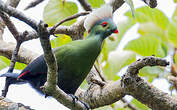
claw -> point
(86, 105)
(75, 98)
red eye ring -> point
(104, 24)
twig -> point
(151, 3)
(17, 14)
(67, 19)
(14, 57)
(85, 5)
(33, 4)
(129, 105)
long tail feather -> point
(11, 75)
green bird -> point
(74, 59)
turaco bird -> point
(74, 59)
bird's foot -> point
(75, 98)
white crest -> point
(104, 12)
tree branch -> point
(68, 19)
(10, 25)
(85, 5)
(143, 91)
(33, 4)
(24, 56)
(17, 14)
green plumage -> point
(74, 59)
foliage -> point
(56, 11)
(175, 57)
(96, 3)
(139, 105)
(4, 62)
(146, 46)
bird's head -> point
(100, 22)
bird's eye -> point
(104, 24)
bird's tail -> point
(13, 78)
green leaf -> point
(61, 40)
(116, 61)
(56, 11)
(175, 1)
(2, 64)
(150, 27)
(175, 58)
(151, 72)
(18, 65)
(139, 105)
(96, 3)
(146, 14)
(172, 33)
(147, 45)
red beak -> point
(116, 31)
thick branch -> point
(97, 96)
(145, 92)
(24, 55)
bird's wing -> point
(36, 67)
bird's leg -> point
(75, 98)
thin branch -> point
(33, 4)
(68, 19)
(14, 57)
(85, 5)
(17, 14)
(50, 87)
